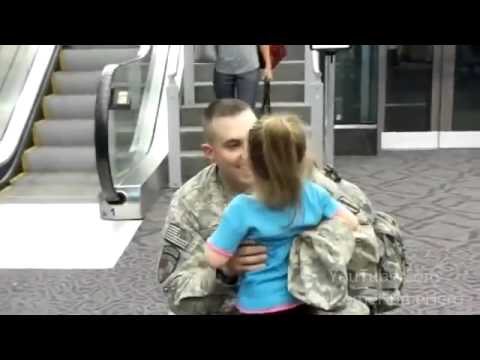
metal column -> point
(329, 109)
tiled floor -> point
(435, 195)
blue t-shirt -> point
(245, 218)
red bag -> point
(277, 54)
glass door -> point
(461, 111)
(356, 86)
(409, 96)
(356, 101)
(429, 96)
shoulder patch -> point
(168, 262)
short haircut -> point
(221, 108)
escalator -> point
(60, 164)
(85, 118)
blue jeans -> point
(242, 86)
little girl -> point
(282, 206)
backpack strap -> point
(332, 173)
(349, 205)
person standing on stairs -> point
(237, 71)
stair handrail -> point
(162, 87)
(174, 149)
(189, 75)
(102, 104)
(314, 98)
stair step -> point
(191, 138)
(364, 144)
(290, 70)
(281, 91)
(76, 82)
(295, 52)
(50, 193)
(78, 132)
(56, 178)
(94, 59)
(59, 159)
(69, 106)
(44, 159)
(191, 163)
(86, 82)
(192, 115)
(64, 132)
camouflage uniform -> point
(378, 267)
(317, 271)
(191, 286)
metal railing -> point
(130, 187)
(314, 97)
(174, 149)
(102, 127)
(189, 75)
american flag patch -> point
(174, 236)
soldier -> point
(190, 284)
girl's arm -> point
(345, 215)
(332, 209)
(226, 239)
(214, 256)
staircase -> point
(60, 166)
(287, 91)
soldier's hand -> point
(249, 257)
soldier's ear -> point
(208, 151)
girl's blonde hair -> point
(277, 147)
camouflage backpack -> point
(378, 267)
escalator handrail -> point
(162, 89)
(102, 152)
(173, 73)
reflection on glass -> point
(466, 111)
(356, 85)
(409, 88)
(15, 64)
(128, 85)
